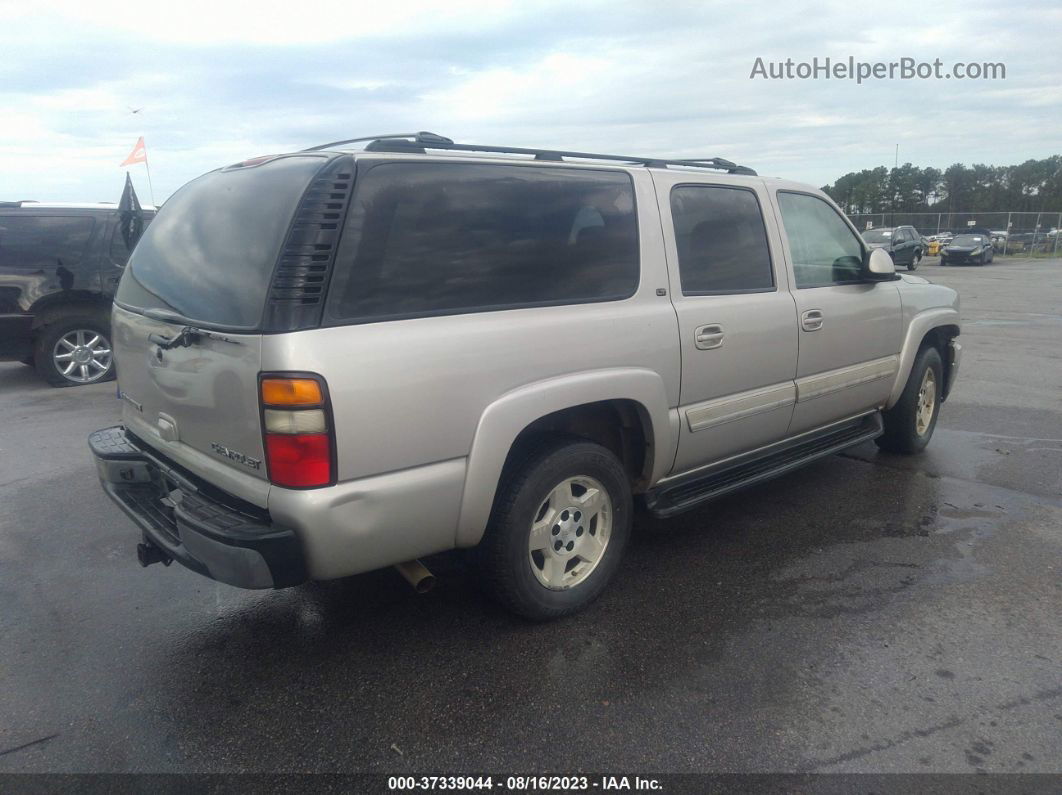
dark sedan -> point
(967, 249)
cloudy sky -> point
(222, 81)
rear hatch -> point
(201, 288)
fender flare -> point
(504, 419)
(920, 325)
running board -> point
(672, 498)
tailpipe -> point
(417, 575)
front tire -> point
(917, 258)
(910, 423)
(74, 351)
(561, 520)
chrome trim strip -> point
(737, 407)
(820, 384)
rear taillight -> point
(296, 425)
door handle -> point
(708, 337)
(811, 320)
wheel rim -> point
(82, 356)
(569, 533)
(927, 402)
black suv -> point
(904, 244)
(59, 268)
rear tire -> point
(74, 350)
(910, 423)
(560, 524)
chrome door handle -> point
(811, 320)
(708, 337)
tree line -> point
(1033, 186)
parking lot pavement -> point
(869, 613)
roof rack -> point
(420, 141)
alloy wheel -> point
(570, 533)
(927, 402)
(82, 356)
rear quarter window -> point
(39, 242)
(441, 238)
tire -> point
(96, 353)
(917, 258)
(907, 430)
(546, 485)
(981, 260)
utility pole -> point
(895, 167)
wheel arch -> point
(934, 327)
(625, 409)
(54, 307)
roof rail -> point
(420, 141)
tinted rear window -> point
(210, 252)
(36, 242)
(441, 238)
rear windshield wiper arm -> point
(187, 336)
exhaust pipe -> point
(417, 575)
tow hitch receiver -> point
(147, 553)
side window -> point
(119, 251)
(34, 242)
(721, 239)
(444, 238)
(824, 250)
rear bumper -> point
(189, 522)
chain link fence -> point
(1019, 234)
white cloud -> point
(222, 81)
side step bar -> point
(672, 498)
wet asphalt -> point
(868, 613)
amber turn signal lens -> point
(291, 392)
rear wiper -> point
(187, 336)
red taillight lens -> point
(301, 461)
(296, 424)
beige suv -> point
(346, 358)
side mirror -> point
(880, 266)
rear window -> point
(37, 242)
(210, 252)
(442, 238)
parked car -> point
(333, 361)
(965, 249)
(999, 239)
(903, 243)
(59, 267)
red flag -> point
(138, 155)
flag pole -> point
(151, 190)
